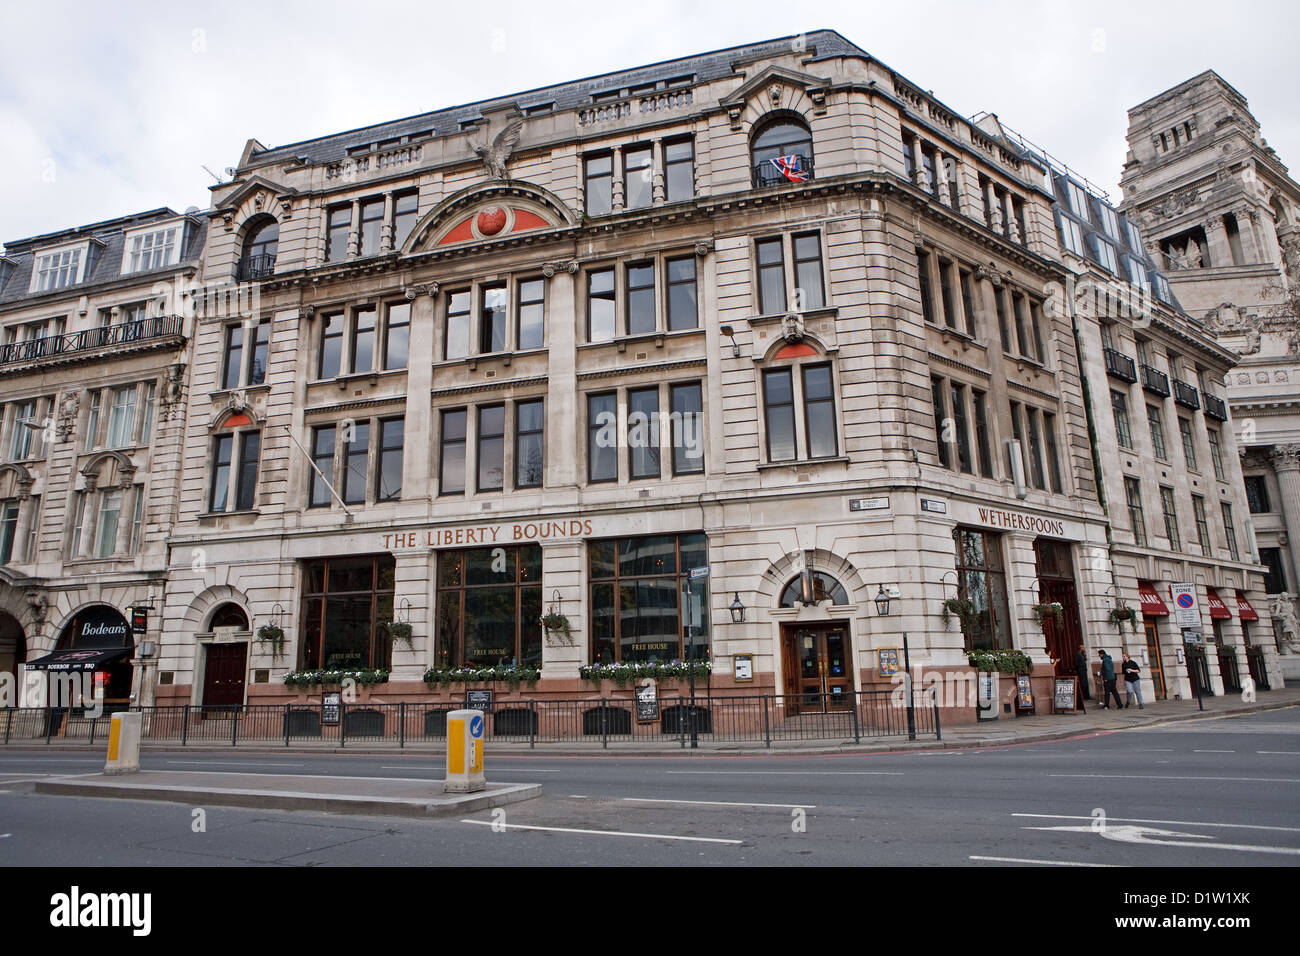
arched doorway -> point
(96, 640)
(13, 644)
(816, 654)
(225, 660)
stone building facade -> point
(93, 367)
(1219, 208)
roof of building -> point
(702, 68)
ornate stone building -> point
(93, 367)
(704, 356)
(1219, 208)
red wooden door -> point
(223, 678)
(1063, 639)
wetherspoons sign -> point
(487, 534)
(1020, 521)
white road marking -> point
(495, 769)
(1143, 835)
(622, 833)
(1289, 753)
(790, 773)
(723, 803)
(1016, 859)
(1156, 750)
(577, 796)
(1138, 776)
(3, 835)
(1176, 823)
(1214, 751)
(228, 763)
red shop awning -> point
(1151, 603)
(1218, 609)
(1244, 610)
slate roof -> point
(821, 44)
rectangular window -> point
(1157, 424)
(1119, 405)
(246, 486)
(638, 177)
(940, 421)
(146, 426)
(808, 271)
(1106, 255)
(322, 456)
(491, 447)
(1036, 324)
(20, 446)
(1022, 332)
(1133, 494)
(1229, 531)
(600, 305)
(397, 335)
(331, 346)
(92, 420)
(945, 294)
(602, 437)
(1035, 449)
(778, 402)
(78, 520)
(819, 411)
(406, 211)
(372, 224)
(1189, 443)
(134, 544)
(1216, 453)
(57, 269)
(451, 470)
(771, 276)
(679, 169)
(532, 314)
(644, 606)
(337, 226)
(492, 319)
(999, 300)
(1170, 510)
(346, 601)
(923, 277)
(261, 349)
(363, 340)
(599, 184)
(967, 300)
(356, 455)
(110, 510)
(490, 607)
(687, 416)
(959, 424)
(388, 480)
(1053, 457)
(153, 250)
(220, 490)
(456, 341)
(1078, 200)
(983, 443)
(1017, 433)
(1109, 221)
(1071, 235)
(1275, 577)
(1202, 526)
(8, 528)
(683, 312)
(643, 432)
(981, 579)
(529, 447)
(234, 356)
(1257, 494)
(121, 417)
(640, 298)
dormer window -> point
(152, 250)
(260, 248)
(782, 153)
(54, 270)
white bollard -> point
(124, 743)
(465, 729)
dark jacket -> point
(1131, 670)
(1081, 664)
(1107, 667)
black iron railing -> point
(843, 717)
(1228, 670)
(1186, 395)
(1120, 365)
(767, 173)
(89, 340)
(1215, 407)
(256, 267)
(1155, 381)
(1258, 670)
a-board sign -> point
(478, 700)
(647, 702)
(1063, 695)
(331, 704)
(1024, 692)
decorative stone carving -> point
(774, 93)
(792, 327)
(238, 400)
(550, 268)
(733, 116)
(1227, 319)
(412, 292)
(286, 207)
(703, 247)
(37, 607)
(1282, 608)
(228, 220)
(169, 403)
(496, 156)
(1285, 457)
(986, 272)
(69, 405)
(1176, 204)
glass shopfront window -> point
(490, 607)
(344, 602)
(644, 605)
(982, 580)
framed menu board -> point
(1064, 695)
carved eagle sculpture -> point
(494, 157)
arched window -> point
(236, 448)
(260, 247)
(813, 587)
(782, 153)
(229, 615)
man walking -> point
(1081, 669)
(1108, 681)
(1132, 683)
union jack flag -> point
(789, 167)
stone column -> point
(1286, 463)
(1009, 215)
(562, 575)
(419, 425)
(22, 530)
(562, 439)
(125, 514)
(659, 185)
(1247, 222)
(616, 191)
(918, 162)
(995, 208)
(354, 231)
(386, 231)
(89, 518)
(1216, 235)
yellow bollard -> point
(465, 732)
(124, 743)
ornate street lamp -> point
(737, 610)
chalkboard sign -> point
(330, 706)
(1024, 693)
(478, 700)
(1063, 696)
(647, 703)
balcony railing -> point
(90, 340)
(1186, 395)
(1155, 381)
(1120, 365)
(768, 174)
(256, 267)
(1215, 407)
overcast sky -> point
(108, 109)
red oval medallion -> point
(491, 220)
